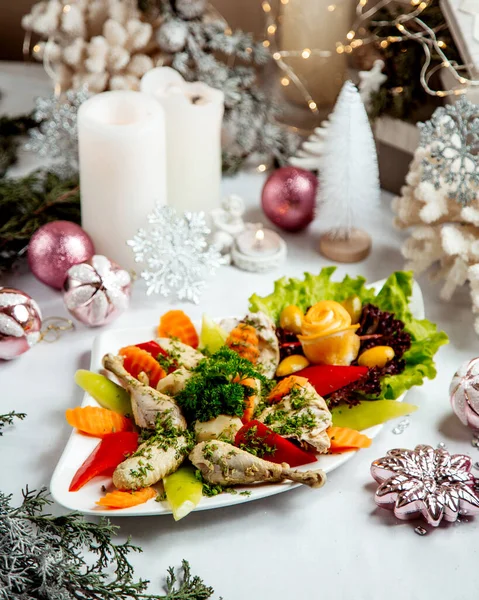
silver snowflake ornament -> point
(452, 138)
(426, 481)
(176, 253)
(56, 137)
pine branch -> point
(45, 557)
(28, 203)
(8, 418)
(10, 130)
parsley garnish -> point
(212, 391)
(256, 445)
(211, 489)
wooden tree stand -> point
(354, 248)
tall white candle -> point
(194, 113)
(121, 138)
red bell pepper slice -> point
(256, 435)
(152, 348)
(327, 379)
(106, 456)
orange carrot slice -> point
(136, 361)
(177, 324)
(97, 421)
(284, 387)
(126, 499)
(250, 400)
(344, 439)
(243, 340)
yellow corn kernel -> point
(354, 306)
(378, 356)
(291, 364)
(291, 318)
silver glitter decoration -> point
(452, 135)
(176, 253)
(441, 446)
(57, 138)
(97, 291)
(426, 481)
(420, 530)
(401, 426)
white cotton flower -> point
(121, 10)
(124, 82)
(470, 214)
(96, 15)
(97, 51)
(114, 33)
(139, 34)
(45, 18)
(139, 65)
(117, 59)
(73, 21)
(95, 82)
(75, 52)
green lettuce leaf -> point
(393, 297)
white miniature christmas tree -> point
(349, 179)
(308, 156)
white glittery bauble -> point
(171, 36)
(97, 291)
(464, 391)
(20, 323)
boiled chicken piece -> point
(223, 426)
(175, 382)
(268, 360)
(224, 464)
(301, 415)
(183, 355)
(151, 462)
(148, 405)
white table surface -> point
(306, 544)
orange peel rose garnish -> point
(327, 335)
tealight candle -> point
(194, 113)
(258, 249)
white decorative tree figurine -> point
(309, 155)
(349, 179)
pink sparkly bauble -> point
(20, 323)
(289, 198)
(97, 291)
(54, 248)
(464, 393)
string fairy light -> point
(356, 38)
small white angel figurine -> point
(227, 223)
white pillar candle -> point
(121, 137)
(194, 113)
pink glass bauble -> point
(54, 248)
(464, 393)
(97, 291)
(20, 323)
(289, 198)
